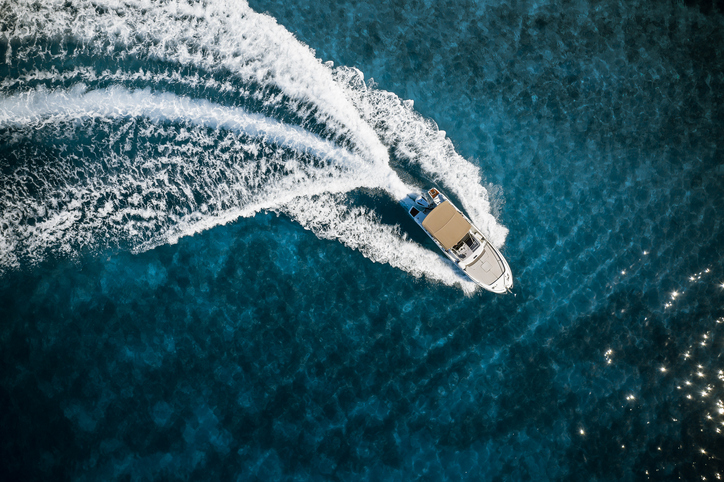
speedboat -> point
(461, 241)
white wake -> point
(169, 165)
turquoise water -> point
(206, 272)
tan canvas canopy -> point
(446, 224)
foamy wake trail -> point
(167, 166)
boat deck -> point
(487, 268)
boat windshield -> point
(466, 246)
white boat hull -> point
(462, 242)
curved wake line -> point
(36, 107)
(40, 106)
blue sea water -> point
(206, 272)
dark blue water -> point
(206, 272)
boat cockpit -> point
(466, 247)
